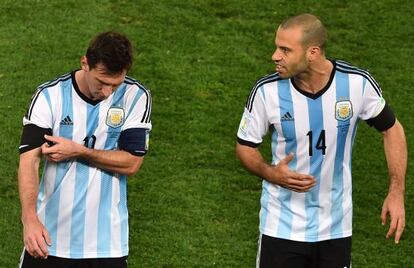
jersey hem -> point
(296, 238)
(247, 143)
(90, 255)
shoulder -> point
(56, 81)
(263, 83)
(48, 87)
(345, 67)
(137, 92)
(268, 79)
(135, 85)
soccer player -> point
(311, 107)
(92, 127)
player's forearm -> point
(28, 186)
(115, 161)
(253, 161)
(28, 199)
(395, 147)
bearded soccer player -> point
(92, 128)
(311, 107)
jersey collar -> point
(81, 95)
(323, 90)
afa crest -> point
(115, 117)
(343, 110)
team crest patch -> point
(115, 117)
(343, 110)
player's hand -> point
(36, 238)
(394, 207)
(62, 149)
(281, 174)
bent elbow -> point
(134, 167)
(132, 171)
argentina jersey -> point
(84, 208)
(320, 130)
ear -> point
(314, 52)
(84, 63)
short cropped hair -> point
(111, 49)
(314, 32)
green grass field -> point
(192, 204)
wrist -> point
(27, 217)
(267, 171)
(396, 188)
(396, 192)
(84, 152)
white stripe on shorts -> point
(259, 246)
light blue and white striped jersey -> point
(83, 207)
(320, 130)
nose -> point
(107, 90)
(277, 56)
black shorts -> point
(281, 253)
(55, 262)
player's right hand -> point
(36, 238)
(280, 174)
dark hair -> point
(111, 49)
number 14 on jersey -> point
(320, 143)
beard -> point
(290, 70)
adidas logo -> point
(287, 117)
(67, 121)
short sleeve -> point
(139, 109)
(254, 123)
(39, 112)
(373, 102)
(37, 122)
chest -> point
(96, 126)
(313, 125)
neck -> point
(316, 77)
(83, 86)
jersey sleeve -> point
(254, 123)
(373, 102)
(375, 111)
(135, 132)
(139, 112)
(39, 112)
(36, 123)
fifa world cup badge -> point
(115, 117)
(343, 110)
(244, 124)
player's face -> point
(101, 84)
(290, 56)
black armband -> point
(385, 120)
(33, 137)
(247, 143)
(134, 140)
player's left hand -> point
(394, 207)
(62, 149)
